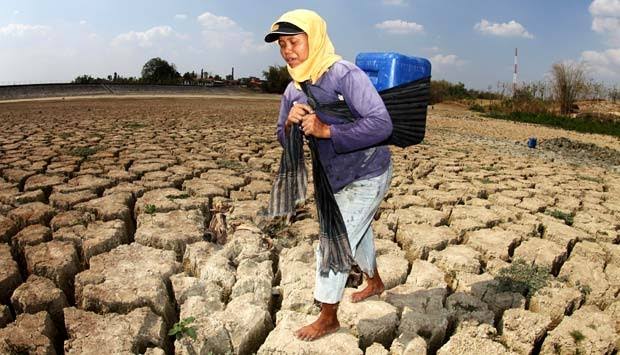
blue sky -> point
(470, 41)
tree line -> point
(568, 83)
(160, 72)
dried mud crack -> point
(106, 236)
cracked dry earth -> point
(105, 206)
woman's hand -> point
(295, 115)
(311, 125)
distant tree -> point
(277, 78)
(614, 93)
(594, 90)
(84, 79)
(159, 71)
(188, 77)
(568, 82)
(444, 90)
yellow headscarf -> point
(321, 52)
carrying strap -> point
(338, 109)
(407, 105)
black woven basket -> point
(407, 105)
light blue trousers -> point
(358, 203)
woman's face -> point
(294, 49)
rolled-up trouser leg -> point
(358, 203)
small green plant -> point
(485, 180)
(150, 209)
(566, 217)
(477, 108)
(523, 278)
(469, 169)
(134, 125)
(65, 135)
(584, 289)
(84, 152)
(590, 178)
(181, 329)
(229, 164)
(274, 227)
(577, 336)
(177, 197)
(465, 307)
(585, 124)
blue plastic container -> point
(531, 142)
(389, 69)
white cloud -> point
(433, 49)
(217, 23)
(605, 8)
(20, 30)
(446, 63)
(400, 27)
(606, 19)
(15, 12)
(446, 60)
(83, 22)
(395, 2)
(605, 63)
(146, 38)
(221, 32)
(508, 29)
(27, 51)
(180, 17)
(605, 24)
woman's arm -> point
(374, 125)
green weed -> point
(134, 125)
(84, 152)
(177, 197)
(580, 124)
(485, 180)
(230, 164)
(522, 278)
(590, 178)
(477, 108)
(180, 329)
(577, 336)
(150, 209)
(566, 217)
(584, 289)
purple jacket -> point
(352, 152)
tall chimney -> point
(514, 75)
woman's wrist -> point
(327, 132)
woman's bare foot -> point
(327, 323)
(375, 287)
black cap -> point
(282, 28)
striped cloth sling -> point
(289, 188)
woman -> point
(358, 168)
